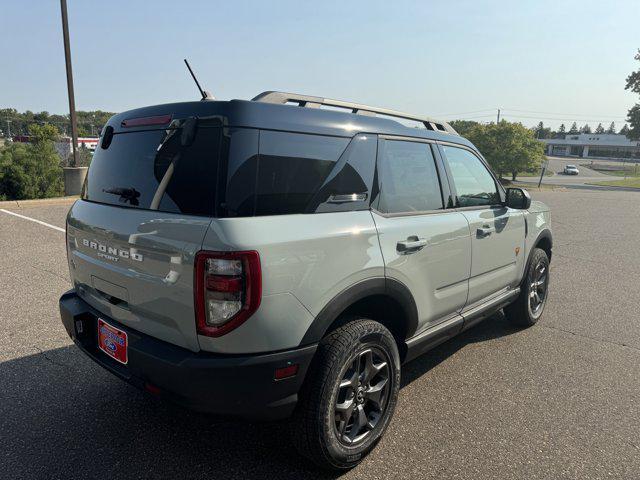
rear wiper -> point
(126, 194)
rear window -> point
(152, 170)
(233, 172)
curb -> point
(39, 202)
(617, 187)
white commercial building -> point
(64, 145)
(593, 145)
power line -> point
(563, 117)
(505, 114)
(558, 113)
(464, 113)
(577, 120)
(492, 115)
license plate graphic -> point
(112, 341)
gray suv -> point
(283, 257)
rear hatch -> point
(146, 205)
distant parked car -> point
(571, 170)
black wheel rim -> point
(362, 397)
(538, 288)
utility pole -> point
(8, 128)
(72, 102)
(498, 119)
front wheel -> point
(527, 309)
(350, 395)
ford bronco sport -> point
(283, 257)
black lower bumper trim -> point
(237, 385)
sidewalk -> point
(39, 202)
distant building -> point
(593, 145)
(63, 146)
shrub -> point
(509, 148)
(31, 170)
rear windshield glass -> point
(152, 170)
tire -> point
(333, 392)
(527, 309)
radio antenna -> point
(205, 95)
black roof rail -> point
(357, 108)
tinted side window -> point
(238, 176)
(408, 177)
(291, 169)
(473, 183)
(348, 186)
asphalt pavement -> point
(559, 400)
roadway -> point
(559, 400)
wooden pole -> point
(72, 102)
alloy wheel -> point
(363, 395)
(538, 288)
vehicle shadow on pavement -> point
(494, 327)
(61, 416)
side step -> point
(453, 325)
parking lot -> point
(559, 400)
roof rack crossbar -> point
(357, 108)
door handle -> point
(485, 231)
(411, 244)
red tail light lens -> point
(228, 290)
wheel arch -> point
(387, 301)
(544, 240)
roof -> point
(308, 101)
(593, 139)
(276, 116)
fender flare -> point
(544, 234)
(365, 288)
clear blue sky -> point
(568, 59)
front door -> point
(497, 232)
(425, 247)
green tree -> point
(624, 130)
(562, 130)
(43, 133)
(84, 156)
(633, 115)
(510, 148)
(586, 129)
(463, 126)
(540, 131)
(574, 129)
(89, 123)
(612, 128)
(31, 170)
(599, 128)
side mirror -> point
(518, 198)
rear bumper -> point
(236, 385)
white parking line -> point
(33, 220)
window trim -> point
(439, 172)
(454, 192)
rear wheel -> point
(349, 396)
(528, 307)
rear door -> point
(146, 205)
(497, 232)
(425, 246)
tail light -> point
(228, 289)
